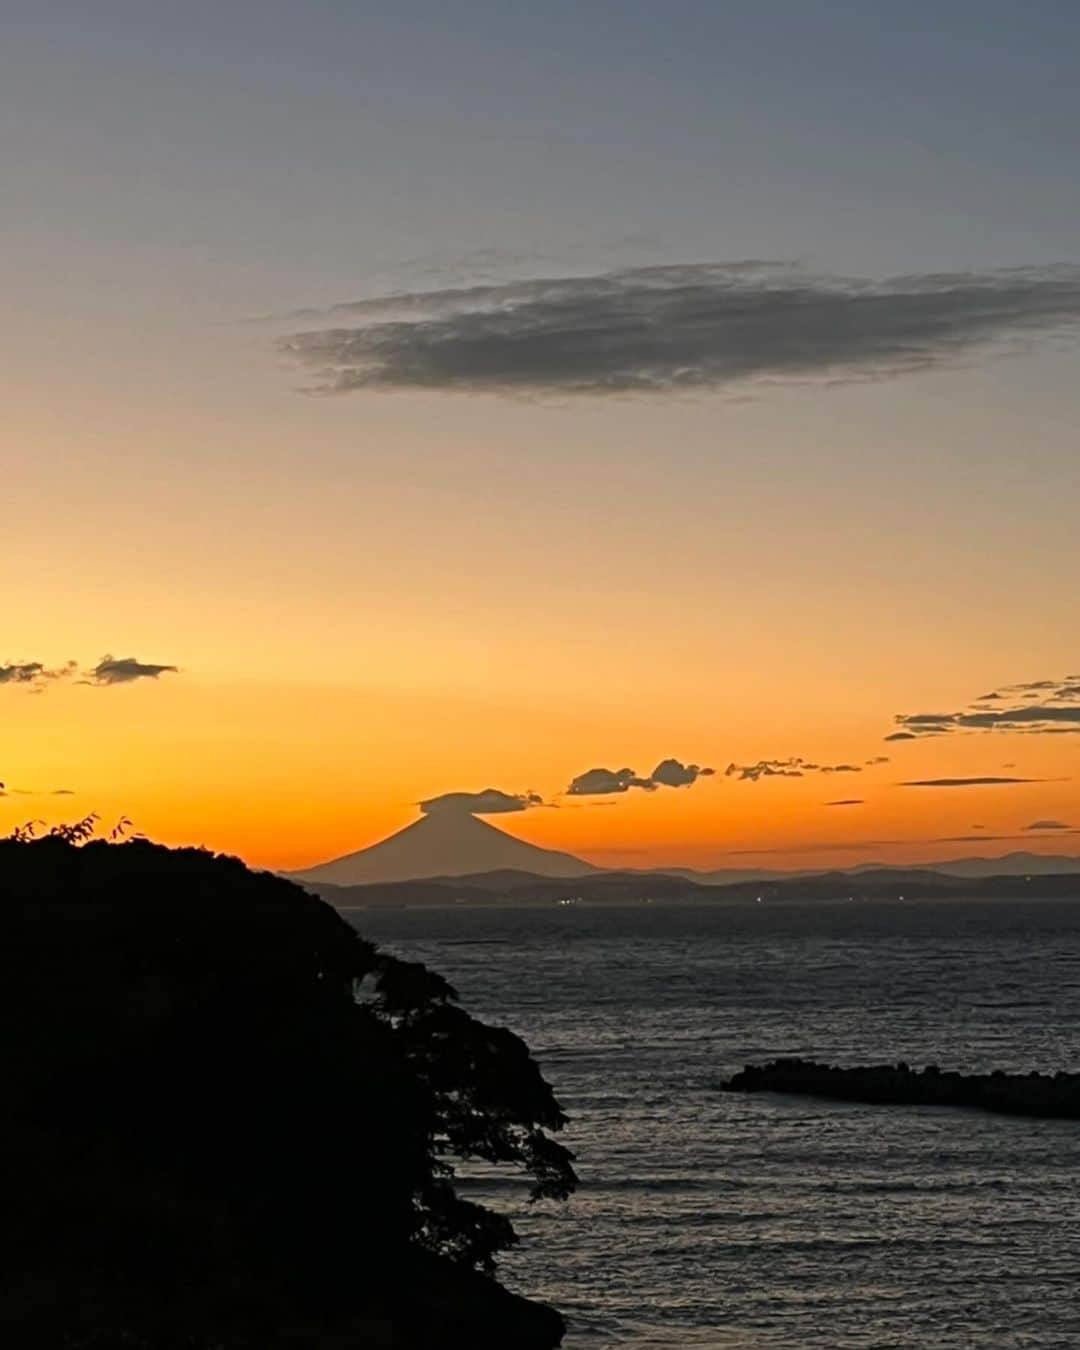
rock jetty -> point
(1053, 1096)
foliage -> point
(212, 1071)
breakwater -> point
(1055, 1096)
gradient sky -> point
(381, 596)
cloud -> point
(1037, 707)
(847, 801)
(34, 675)
(21, 672)
(125, 670)
(5, 791)
(667, 329)
(670, 773)
(794, 767)
(877, 759)
(968, 782)
(604, 782)
(765, 768)
(489, 802)
(1048, 825)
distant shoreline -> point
(779, 902)
(512, 890)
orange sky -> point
(377, 598)
(374, 602)
(287, 773)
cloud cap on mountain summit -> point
(487, 802)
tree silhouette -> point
(228, 1110)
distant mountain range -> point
(1009, 864)
(524, 888)
(454, 845)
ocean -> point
(707, 1219)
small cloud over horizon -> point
(670, 773)
(34, 676)
(125, 670)
(603, 782)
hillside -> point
(210, 1143)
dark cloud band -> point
(968, 782)
(660, 330)
(1039, 707)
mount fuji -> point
(443, 844)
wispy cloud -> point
(793, 767)
(487, 802)
(968, 782)
(666, 329)
(1048, 825)
(1037, 707)
(606, 782)
(848, 801)
(35, 676)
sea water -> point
(711, 1219)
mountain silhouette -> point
(443, 844)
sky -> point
(476, 395)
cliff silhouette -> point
(233, 1123)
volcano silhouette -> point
(444, 844)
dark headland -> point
(1052, 1096)
(231, 1123)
